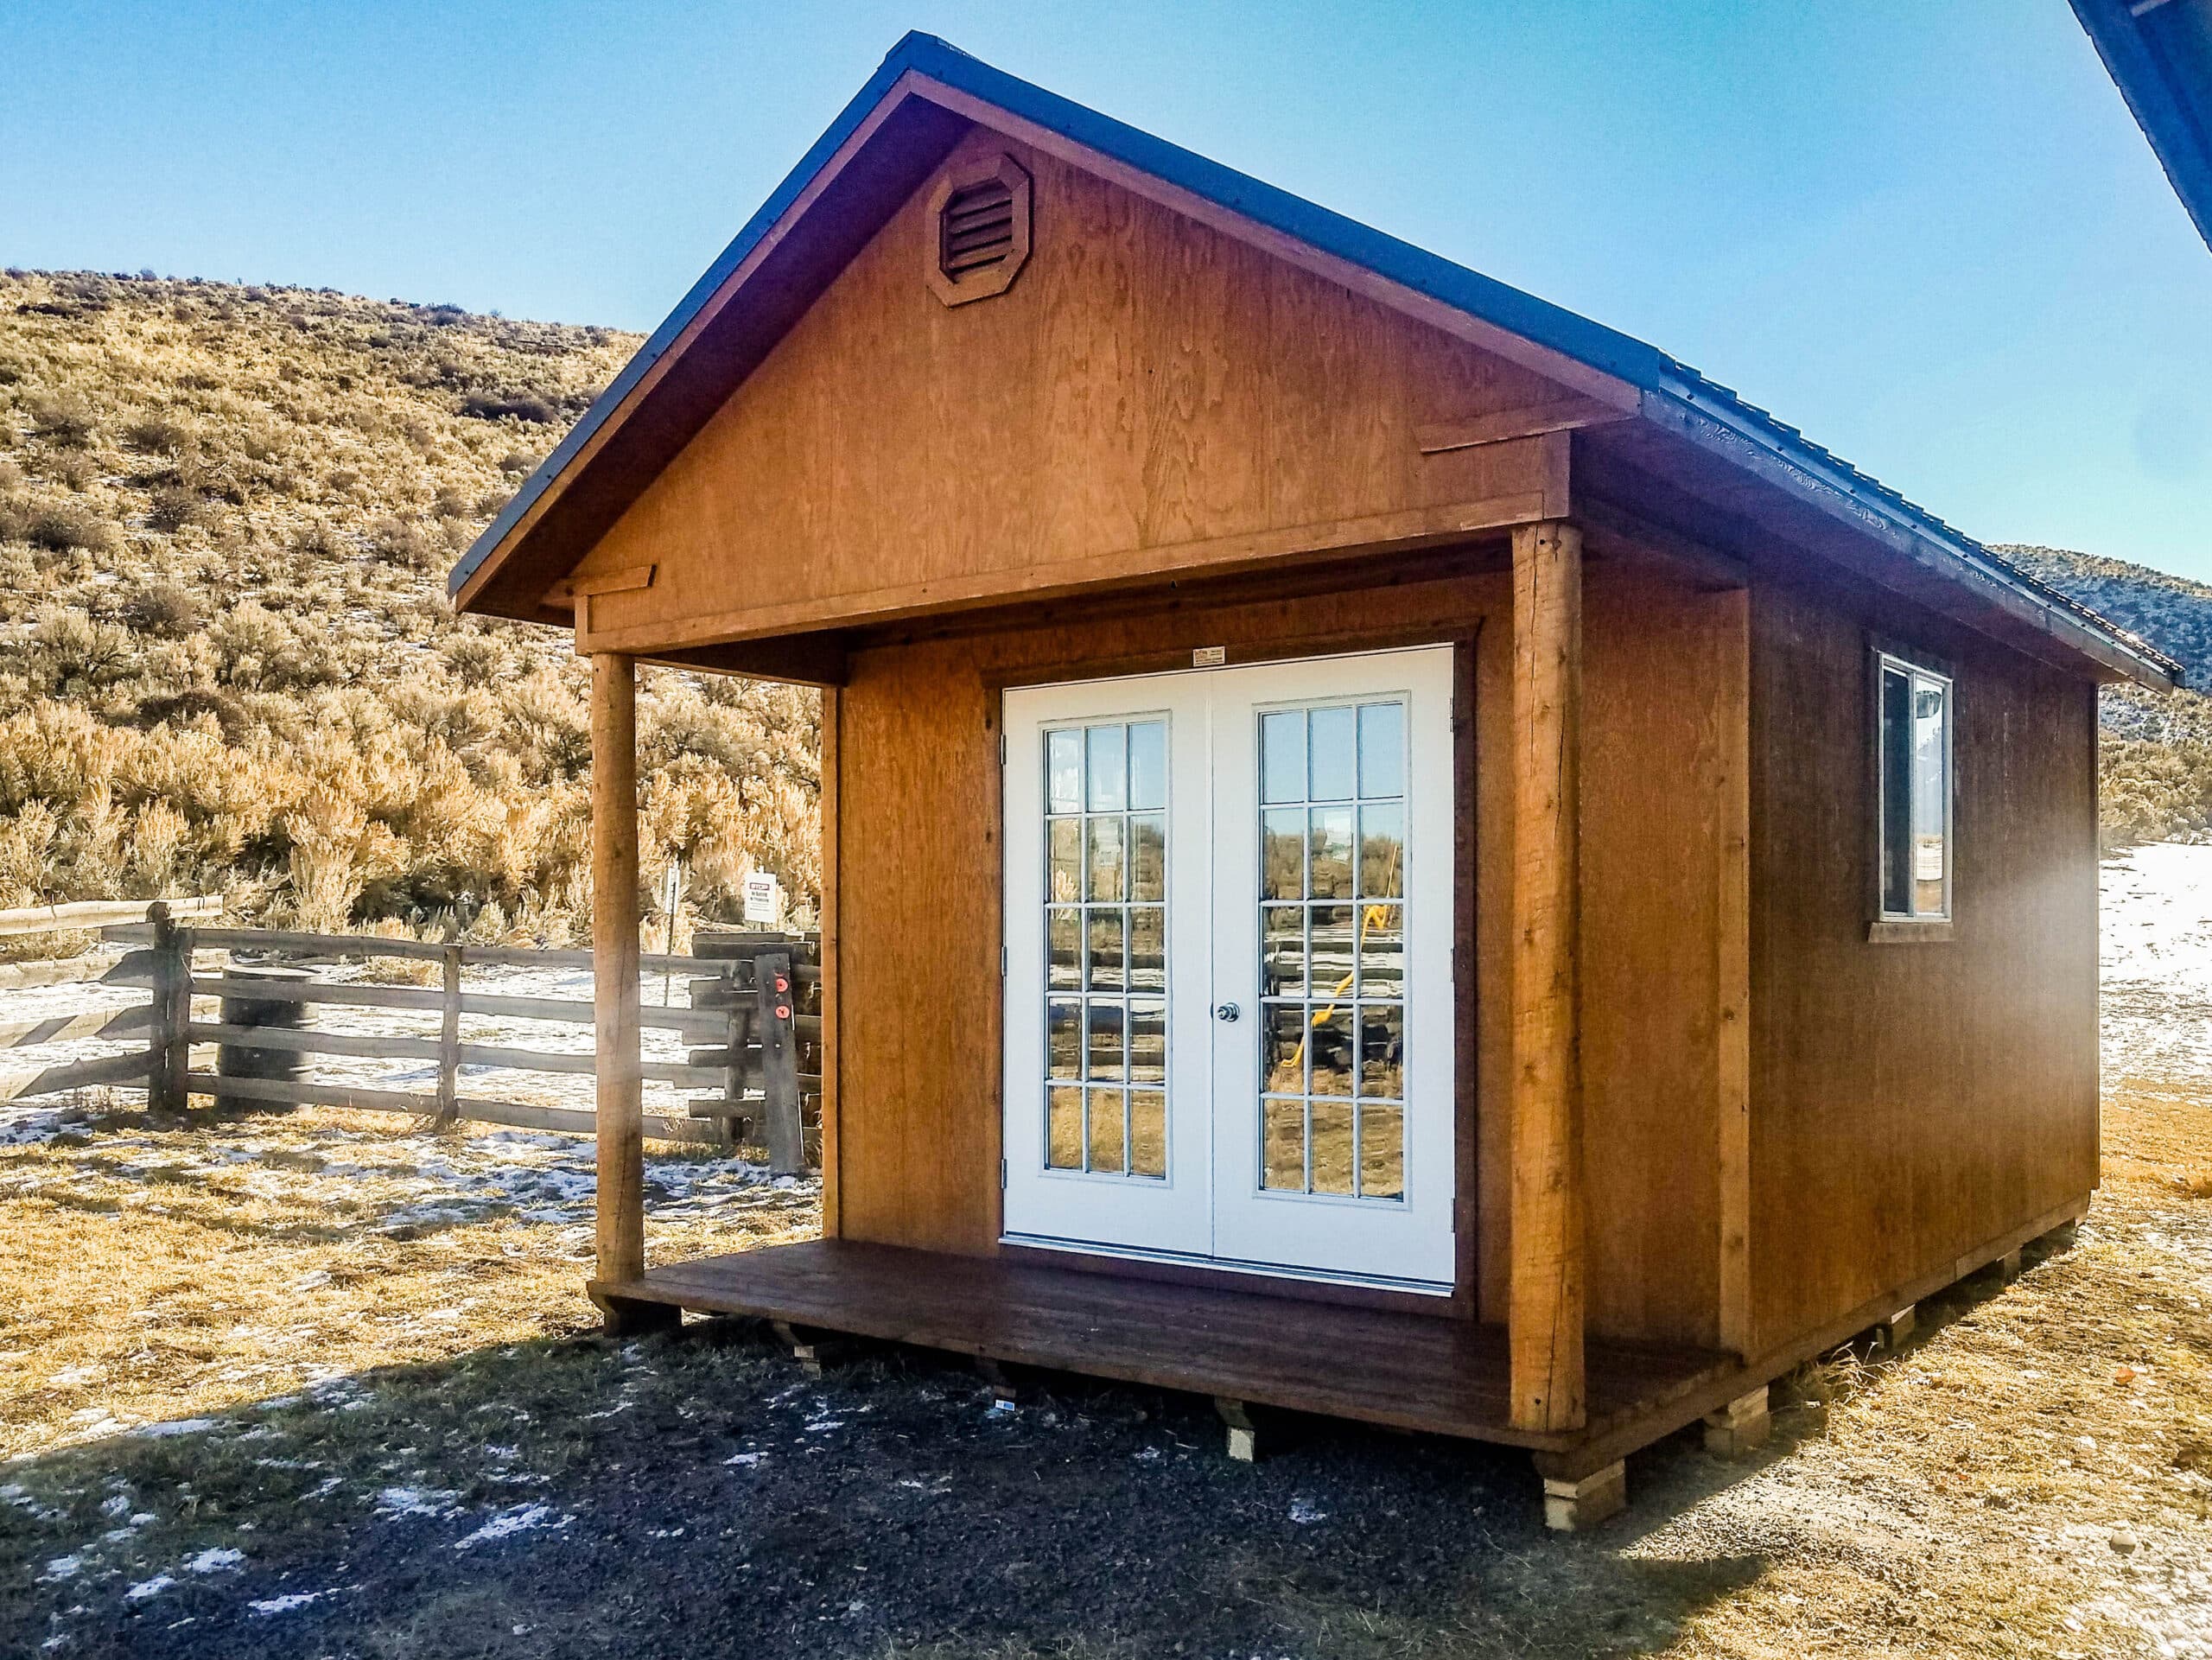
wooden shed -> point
(1390, 851)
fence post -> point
(780, 1105)
(449, 1039)
(168, 1052)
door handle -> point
(1227, 1011)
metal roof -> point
(2159, 54)
(1607, 350)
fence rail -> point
(78, 915)
(746, 1013)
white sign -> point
(764, 898)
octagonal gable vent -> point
(980, 215)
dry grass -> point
(2032, 1475)
(158, 1273)
(226, 660)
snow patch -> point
(417, 1501)
(522, 1518)
(286, 1603)
(214, 1560)
(174, 1426)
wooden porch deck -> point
(1411, 1371)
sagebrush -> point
(227, 663)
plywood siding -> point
(1912, 1100)
(1149, 396)
(918, 917)
(1656, 660)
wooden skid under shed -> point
(1411, 1371)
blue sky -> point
(1928, 234)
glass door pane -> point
(1331, 920)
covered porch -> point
(1521, 1367)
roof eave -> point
(1688, 409)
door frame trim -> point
(1463, 1300)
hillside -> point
(226, 660)
(2156, 782)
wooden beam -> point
(1731, 696)
(1545, 1319)
(1564, 415)
(621, 1232)
(130, 1067)
(81, 914)
(1275, 549)
(796, 659)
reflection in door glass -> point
(1105, 924)
(1332, 847)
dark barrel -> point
(243, 1009)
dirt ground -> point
(318, 1386)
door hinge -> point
(1002, 749)
(1002, 962)
(1001, 1175)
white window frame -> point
(1918, 671)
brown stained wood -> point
(1911, 1100)
(1650, 845)
(1731, 782)
(1162, 399)
(1555, 366)
(618, 1107)
(1545, 1325)
(1561, 416)
(1413, 1371)
(801, 660)
(610, 581)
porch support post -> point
(615, 968)
(1545, 1314)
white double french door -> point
(1229, 1005)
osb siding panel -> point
(1911, 1102)
(920, 876)
(1147, 383)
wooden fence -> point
(754, 1012)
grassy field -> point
(317, 1385)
